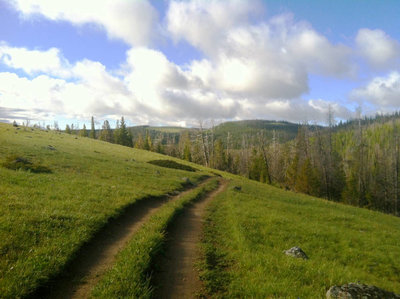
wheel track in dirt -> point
(98, 255)
(177, 276)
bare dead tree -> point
(262, 142)
(203, 142)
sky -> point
(180, 62)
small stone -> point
(355, 291)
(50, 147)
(296, 252)
(237, 188)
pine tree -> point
(124, 135)
(187, 155)
(83, 132)
(67, 129)
(219, 155)
(139, 142)
(117, 133)
(106, 133)
(307, 179)
(148, 144)
(92, 133)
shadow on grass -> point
(20, 163)
(172, 164)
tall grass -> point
(247, 231)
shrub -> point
(172, 164)
(16, 163)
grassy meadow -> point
(46, 217)
(69, 187)
(248, 230)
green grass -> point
(19, 163)
(130, 277)
(46, 217)
(172, 164)
(247, 231)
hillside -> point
(67, 190)
(46, 217)
(284, 131)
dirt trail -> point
(177, 276)
(98, 255)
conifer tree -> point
(67, 129)
(122, 135)
(147, 145)
(117, 133)
(219, 155)
(187, 155)
(106, 133)
(139, 142)
(92, 133)
(83, 132)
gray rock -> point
(296, 252)
(359, 291)
(50, 147)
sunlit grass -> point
(247, 231)
(130, 277)
(46, 217)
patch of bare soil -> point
(98, 255)
(177, 276)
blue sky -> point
(178, 62)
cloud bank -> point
(250, 67)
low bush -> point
(20, 163)
(172, 164)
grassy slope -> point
(45, 217)
(130, 277)
(247, 231)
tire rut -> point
(98, 255)
(176, 276)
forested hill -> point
(235, 130)
(357, 162)
(232, 131)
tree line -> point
(357, 162)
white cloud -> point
(250, 69)
(383, 92)
(202, 23)
(264, 61)
(299, 110)
(55, 86)
(135, 22)
(318, 54)
(34, 61)
(380, 50)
